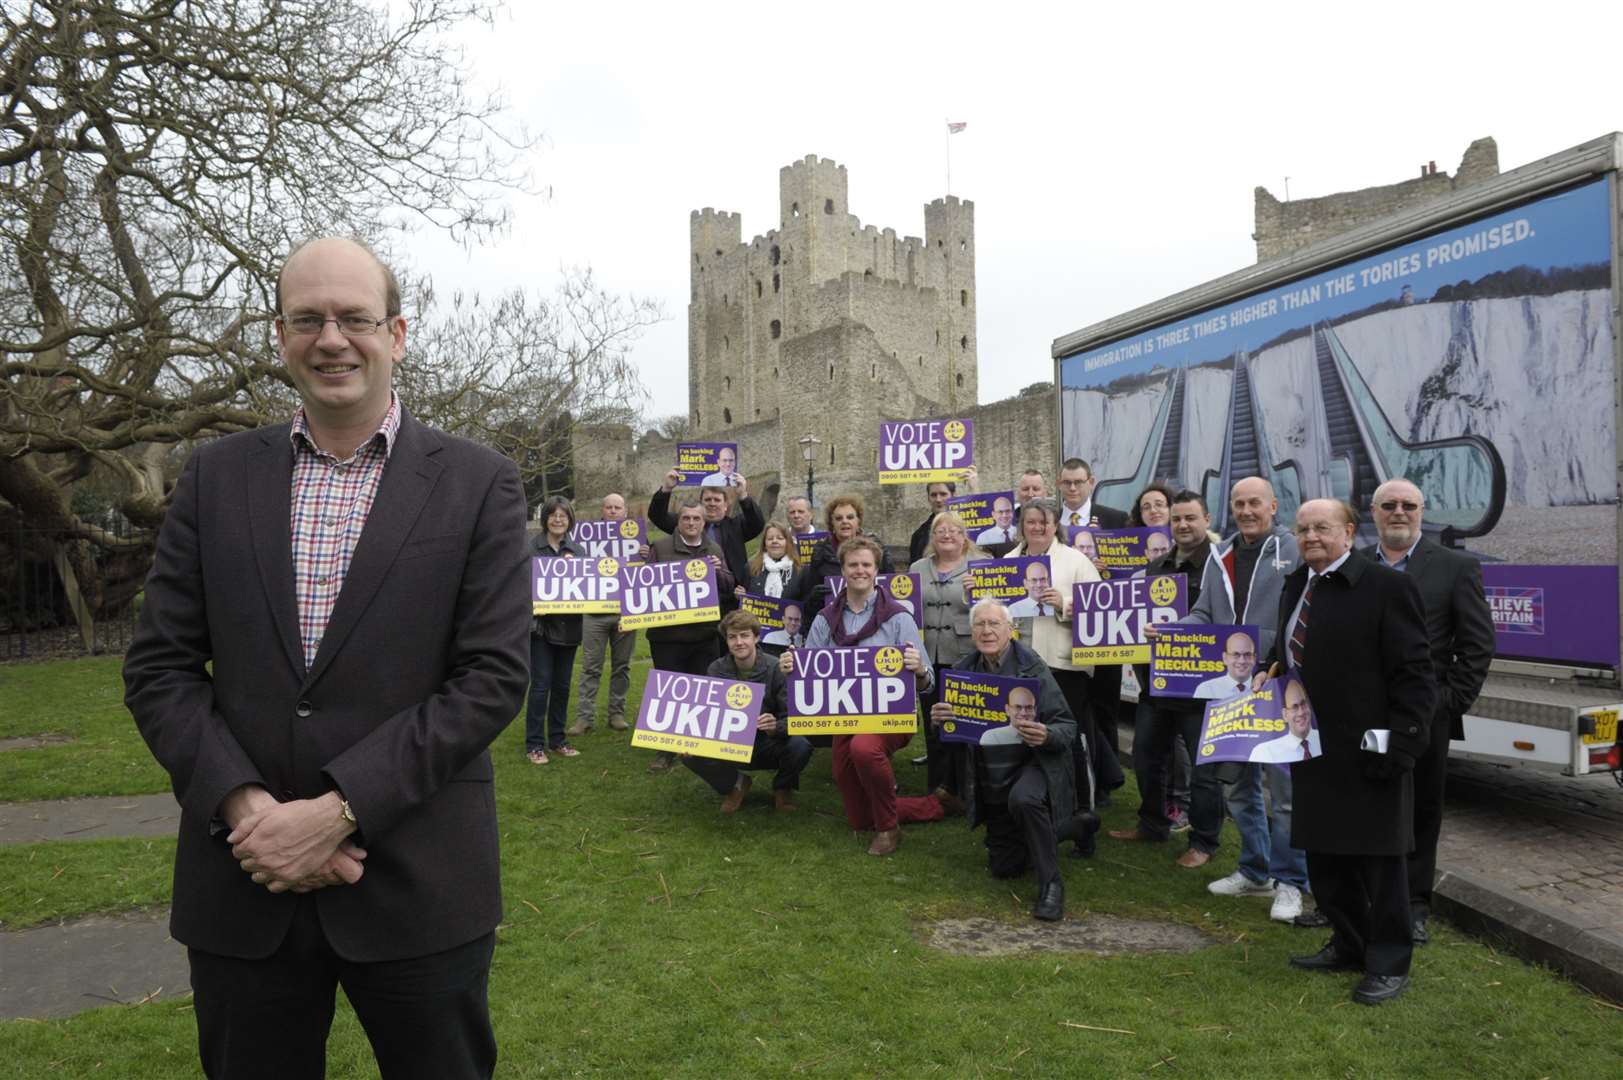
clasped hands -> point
(296, 846)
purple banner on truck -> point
(1557, 614)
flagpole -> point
(947, 134)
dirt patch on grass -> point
(1103, 935)
(33, 742)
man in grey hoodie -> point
(1242, 584)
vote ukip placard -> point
(988, 509)
(1211, 662)
(575, 586)
(806, 543)
(1109, 617)
(621, 540)
(1275, 725)
(925, 451)
(1011, 581)
(699, 715)
(857, 691)
(980, 705)
(668, 594)
(705, 464)
(1121, 552)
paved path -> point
(87, 963)
(88, 819)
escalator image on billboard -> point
(1477, 362)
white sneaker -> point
(1237, 884)
(1287, 903)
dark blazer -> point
(424, 662)
(1366, 665)
(919, 540)
(1459, 626)
(1100, 517)
(735, 530)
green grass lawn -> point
(647, 935)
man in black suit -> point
(334, 630)
(1459, 627)
(727, 530)
(1355, 632)
(1076, 482)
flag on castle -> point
(955, 126)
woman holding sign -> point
(1049, 636)
(844, 518)
(945, 618)
(553, 641)
(775, 569)
(861, 614)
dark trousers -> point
(938, 756)
(551, 667)
(1104, 694)
(1021, 832)
(1073, 686)
(1430, 777)
(1366, 899)
(1152, 764)
(788, 756)
(426, 1017)
(687, 657)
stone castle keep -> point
(825, 327)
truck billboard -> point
(1478, 361)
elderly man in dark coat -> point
(1021, 788)
(1356, 633)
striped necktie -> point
(1298, 645)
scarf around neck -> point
(778, 573)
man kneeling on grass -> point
(1018, 781)
(775, 748)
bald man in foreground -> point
(335, 629)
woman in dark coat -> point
(843, 516)
(553, 641)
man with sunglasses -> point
(334, 630)
(1459, 627)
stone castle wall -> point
(1284, 227)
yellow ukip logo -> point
(954, 431)
(1163, 590)
(608, 567)
(888, 660)
(696, 569)
(628, 528)
(739, 695)
(901, 586)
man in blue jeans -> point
(1242, 584)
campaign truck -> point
(1469, 344)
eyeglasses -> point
(1407, 507)
(348, 325)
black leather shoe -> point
(1328, 958)
(1375, 989)
(1312, 920)
(1080, 828)
(1418, 932)
(1050, 905)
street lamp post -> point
(808, 445)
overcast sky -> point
(1111, 154)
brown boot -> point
(618, 724)
(951, 805)
(784, 799)
(735, 797)
(885, 842)
(1193, 858)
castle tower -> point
(823, 311)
